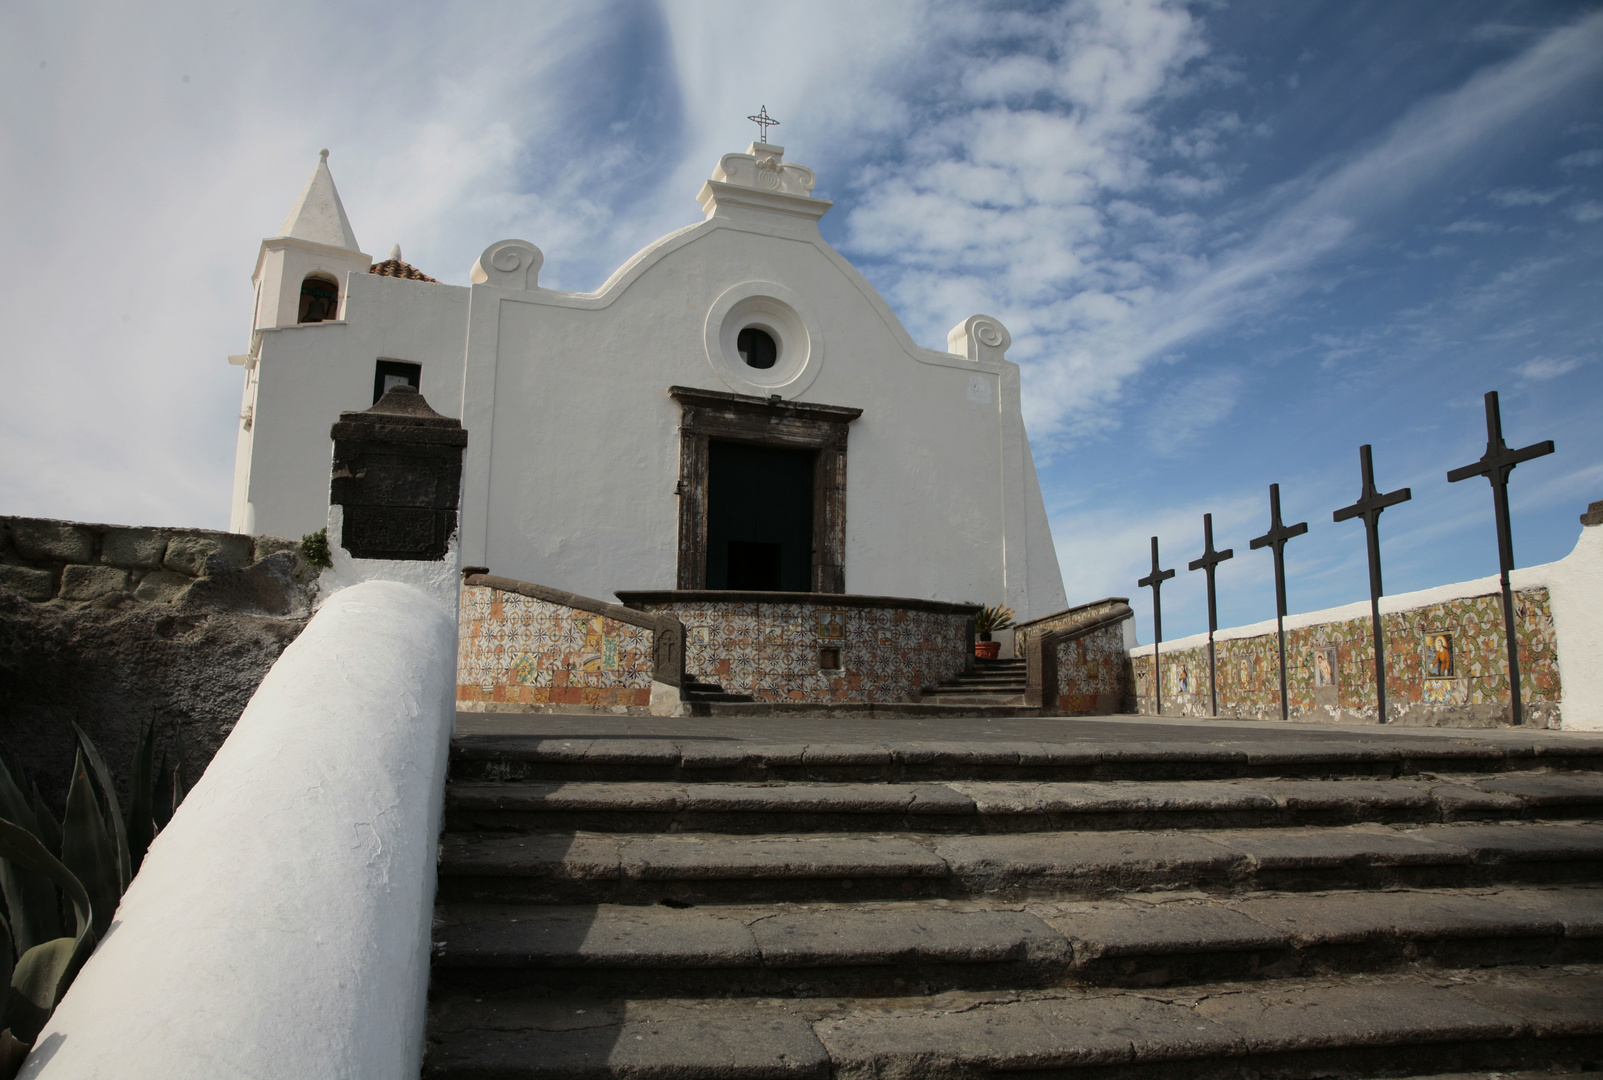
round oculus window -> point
(760, 343)
(757, 348)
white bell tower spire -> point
(300, 273)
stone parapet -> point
(1444, 667)
(824, 648)
(1080, 666)
(44, 559)
(527, 647)
(1067, 619)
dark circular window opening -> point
(757, 348)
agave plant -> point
(88, 858)
(992, 619)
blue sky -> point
(1232, 241)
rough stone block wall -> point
(773, 651)
(111, 626)
(520, 650)
(1446, 665)
(1094, 675)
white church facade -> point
(735, 408)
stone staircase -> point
(695, 690)
(991, 682)
(695, 907)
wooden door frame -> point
(771, 422)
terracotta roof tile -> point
(397, 268)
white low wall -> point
(279, 926)
(1575, 587)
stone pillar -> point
(1041, 670)
(397, 478)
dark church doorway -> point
(759, 518)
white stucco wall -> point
(573, 455)
(1575, 591)
(279, 926)
(305, 376)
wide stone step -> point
(1010, 695)
(590, 867)
(897, 949)
(983, 678)
(536, 757)
(1391, 1025)
(1011, 806)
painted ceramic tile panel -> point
(771, 651)
(518, 649)
(1092, 667)
(1445, 654)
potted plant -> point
(987, 622)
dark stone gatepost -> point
(398, 477)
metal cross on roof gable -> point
(1369, 505)
(1495, 465)
(1210, 562)
(1276, 538)
(763, 121)
(1156, 580)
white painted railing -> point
(279, 926)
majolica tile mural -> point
(1094, 672)
(519, 650)
(779, 652)
(1445, 664)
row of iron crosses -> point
(1495, 465)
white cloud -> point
(1587, 212)
(1472, 225)
(1546, 367)
(1189, 408)
(1525, 196)
(129, 282)
(1497, 32)
(1582, 159)
(1050, 218)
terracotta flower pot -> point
(987, 650)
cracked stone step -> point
(1009, 806)
(1528, 1019)
(700, 868)
(897, 948)
(534, 757)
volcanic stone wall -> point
(112, 627)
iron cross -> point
(1156, 580)
(763, 121)
(1276, 538)
(1369, 505)
(1495, 465)
(1210, 562)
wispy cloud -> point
(1582, 159)
(1189, 409)
(1546, 367)
(1525, 196)
(1498, 31)
(1026, 197)
(1473, 225)
(1586, 212)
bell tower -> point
(300, 273)
(301, 278)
